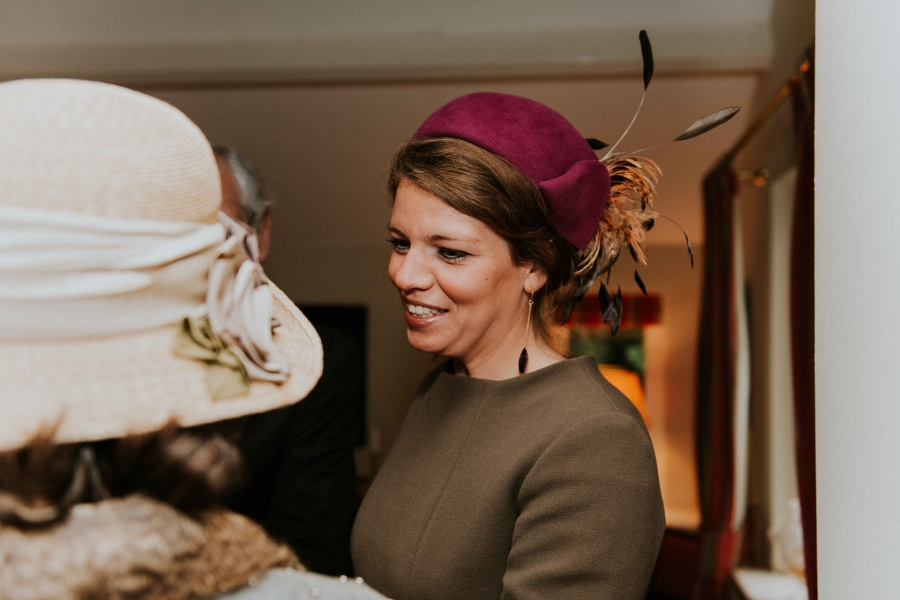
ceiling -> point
(215, 41)
(63, 21)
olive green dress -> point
(539, 487)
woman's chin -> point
(423, 342)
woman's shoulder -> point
(574, 389)
(584, 421)
(589, 401)
(570, 410)
(285, 584)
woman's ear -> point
(535, 279)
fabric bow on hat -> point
(232, 332)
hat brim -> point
(94, 389)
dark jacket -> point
(299, 460)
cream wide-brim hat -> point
(86, 148)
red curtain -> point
(803, 322)
(716, 385)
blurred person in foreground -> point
(301, 475)
(136, 324)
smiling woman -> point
(467, 220)
(460, 285)
(517, 473)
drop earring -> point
(523, 357)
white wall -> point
(857, 292)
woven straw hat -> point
(97, 152)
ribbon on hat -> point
(577, 197)
(65, 276)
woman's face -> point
(462, 295)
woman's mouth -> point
(418, 315)
(423, 311)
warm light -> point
(629, 383)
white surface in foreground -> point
(767, 585)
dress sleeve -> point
(591, 519)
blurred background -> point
(319, 94)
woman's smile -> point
(420, 316)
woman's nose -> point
(410, 272)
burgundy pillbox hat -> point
(539, 142)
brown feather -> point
(626, 215)
(630, 205)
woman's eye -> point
(398, 244)
(452, 255)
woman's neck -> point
(502, 361)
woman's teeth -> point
(423, 311)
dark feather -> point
(523, 361)
(617, 301)
(690, 249)
(596, 144)
(633, 253)
(587, 280)
(647, 54)
(648, 225)
(640, 282)
(608, 313)
(603, 297)
(708, 122)
(613, 314)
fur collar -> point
(139, 549)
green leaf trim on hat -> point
(226, 376)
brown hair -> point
(486, 187)
(190, 469)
